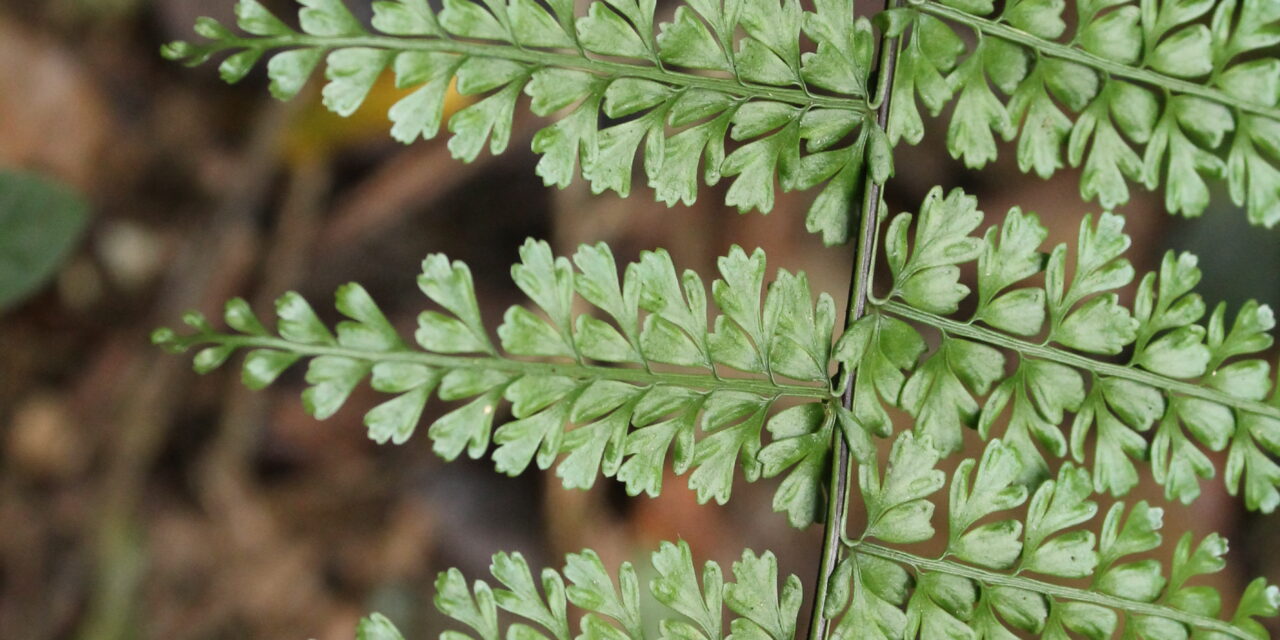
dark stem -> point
(860, 286)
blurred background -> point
(138, 500)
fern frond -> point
(596, 400)
(1193, 382)
(1142, 92)
(1003, 578)
(801, 118)
(692, 608)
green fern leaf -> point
(693, 607)
(897, 510)
(606, 403)
(759, 83)
(878, 347)
(1196, 384)
(592, 589)
(1144, 93)
(377, 627)
(1003, 578)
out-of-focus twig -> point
(415, 178)
(137, 423)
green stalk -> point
(1052, 590)
(838, 493)
(546, 58)
(1108, 68)
(1165, 384)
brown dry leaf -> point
(54, 116)
(44, 441)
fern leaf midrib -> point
(991, 578)
(707, 382)
(839, 489)
(1045, 352)
(1108, 67)
(542, 57)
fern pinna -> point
(613, 373)
(686, 88)
(1136, 91)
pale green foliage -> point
(997, 579)
(1190, 381)
(1147, 91)
(1193, 382)
(377, 627)
(756, 90)
(1150, 91)
(692, 604)
(601, 404)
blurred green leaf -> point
(40, 222)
